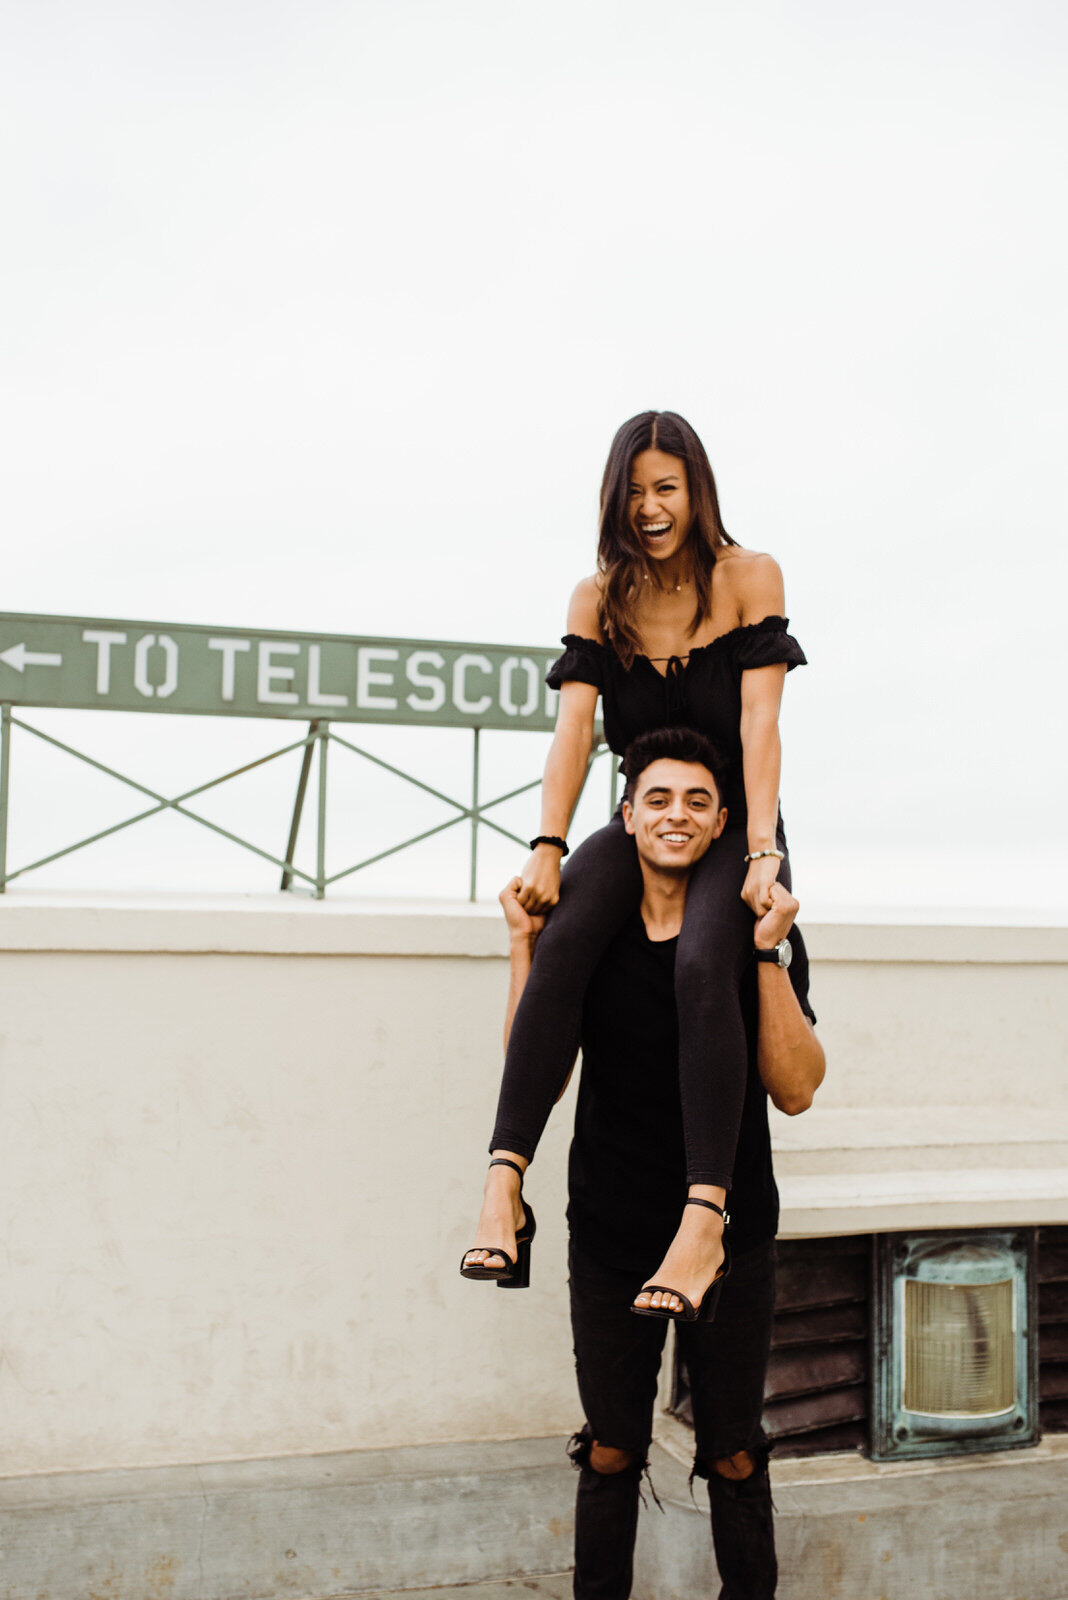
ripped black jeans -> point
(617, 1360)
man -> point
(627, 1183)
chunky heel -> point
(514, 1274)
(520, 1278)
(707, 1309)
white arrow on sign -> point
(20, 658)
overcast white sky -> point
(323, 317)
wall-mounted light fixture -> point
(955, 1344)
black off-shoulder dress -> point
(601, 885)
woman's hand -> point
(540, 884)
(521, 925)
(756, 890)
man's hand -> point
(521, 924)
(523, 930)
(775, 924)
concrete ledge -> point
(880, 1202)
(310, 1526)
(881, 1138)
(865, 1170)
(251, 925)
(992, 1528)
(296, 925)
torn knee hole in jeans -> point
(727, 1473)
(614, 1460)
(580, 1449)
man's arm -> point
(523, 930)
(522, 937)
(789, 1056)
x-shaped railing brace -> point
(475, 812)
(163, 803)
(319, 733)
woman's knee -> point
(594, 901)
(708, 974)
(606, 862)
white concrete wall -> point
(242, 1145)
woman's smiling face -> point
(659, 505)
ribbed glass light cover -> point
(959, 1348)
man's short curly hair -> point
(671, 744)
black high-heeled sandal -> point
(706, 1310)
(516, 1274)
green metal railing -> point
(154, 667)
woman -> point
(678, 625)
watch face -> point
(786, 952)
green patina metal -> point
(959, 1259)
(89, 663)
(94, 664)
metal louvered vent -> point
(955, 1368)
(816, 1394)
(1053, 1329)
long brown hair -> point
(621, 560)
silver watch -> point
(782, 954)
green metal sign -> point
(86, 663)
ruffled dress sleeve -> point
(767, 644)
(581, 662)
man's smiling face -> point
(675, 814)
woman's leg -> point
(715, 945)
(600, 885)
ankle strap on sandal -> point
(503, 1161)
(710, 1205)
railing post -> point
(5, 772)
(320, 859)
(298, 807)
(474, 819)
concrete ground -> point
(555, 1586)
(552, 1586)
(377, 1523)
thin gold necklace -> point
(677, 588)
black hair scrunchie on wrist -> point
(550, 838)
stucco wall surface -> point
(242, 1145)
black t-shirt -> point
(627, 1170)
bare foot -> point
(499, 1221)
(691, 1264)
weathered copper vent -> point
(963, 1357)
(954, 1352)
